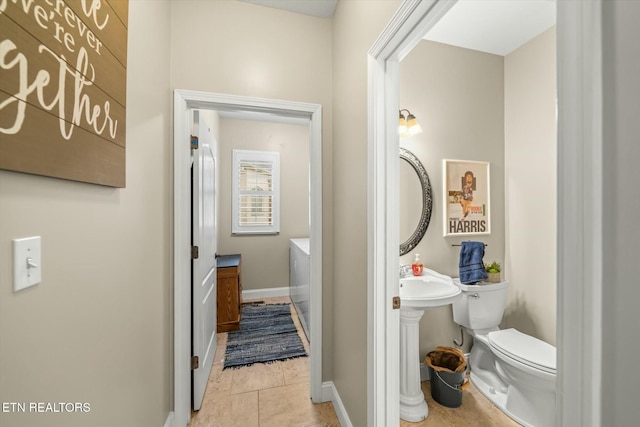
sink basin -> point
(432, 289)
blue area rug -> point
(266, 334)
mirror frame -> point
(427, 202)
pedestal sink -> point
(417, 294)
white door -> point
(204, 265)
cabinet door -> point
(228, 300)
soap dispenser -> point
(417, 266)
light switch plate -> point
(26, 252)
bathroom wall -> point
(458, 96)
(478, 106)
(238, 48)
(98, 328)
(531, 182)
(265, 258)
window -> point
(256, 192)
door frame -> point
(271, 110)
(579, 277)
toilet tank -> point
(481, 306)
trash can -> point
(447, 369)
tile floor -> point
(277, 395)
(475, 411)
(274, 394)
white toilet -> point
(517, 372)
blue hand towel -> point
(471, 264)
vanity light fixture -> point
(408, 124)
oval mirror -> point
(416, 200)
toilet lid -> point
(525, 349)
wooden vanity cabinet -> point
(229, 292)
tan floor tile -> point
(239, 410)
(278, 300)
(256, 377)
(220, 348)
(291, 406)
(232, 397)
(272, 300)
(296, 370)
(277, 394)
(475, 410)
(219, 381)
(300, 329)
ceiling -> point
(493, 26)
(319, 8)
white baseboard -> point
(169, 421)
(330, 394)
(265, 293)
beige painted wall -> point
(445, 86)
(621, 233)
(457, 95)
(238, 48)
(265, 258)
(98, 328)
(531, 182)
(356, 26)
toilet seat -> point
(524, 348)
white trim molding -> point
(270, 110)
(253, 165)
(407, 27)
(580, 192)
(330, 394)
(169, 420)
(250, 294)
(580, 199)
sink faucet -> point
(404, 270)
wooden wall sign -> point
(63, 71)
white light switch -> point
(27, 263)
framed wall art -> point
(466, 197)
(63, 89)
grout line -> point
(259, 397)
(280, 363)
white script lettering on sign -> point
(63, 88)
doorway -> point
(579, 220)
(268, 110)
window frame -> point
(241, 156)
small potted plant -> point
(493, 271)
